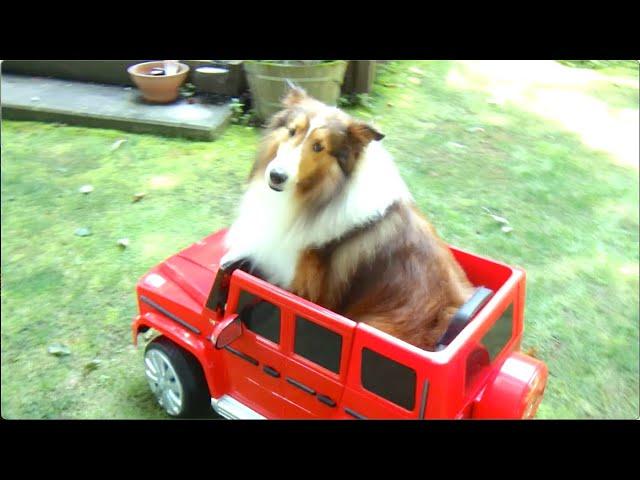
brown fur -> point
(395, 274)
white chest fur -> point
(267, 231)
(261, 232)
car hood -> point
(194, 268)
(207, 252)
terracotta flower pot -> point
(161, 88)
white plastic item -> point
(171, 67)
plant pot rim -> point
(282, 65)
(182, 69)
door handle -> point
(354, 414)
(301, 386)
(326, 400)
(271, 371)
(242, 355)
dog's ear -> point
(363, 134)
(293, 95)
(279, 119)
(358, 136)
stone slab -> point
(108, 106)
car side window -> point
(259, 316)
(500, 333)
(388, 379)
(318, 344)
(489, 348)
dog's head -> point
(311, 149)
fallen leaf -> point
(123, 242)
(83, 232)
(73, 381)
(86, 189)
(117, 144)
(138, 196)
(497, 218)
(92, 365)
(59, 350)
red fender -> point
(182, 337)
(515, 392)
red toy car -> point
(249, 349)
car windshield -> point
(219, 290)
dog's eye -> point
(317, 147)
(292, 132)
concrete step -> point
(108, 106)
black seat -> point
(464, 315)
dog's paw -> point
(231, 262)
(226, 264)
(228, 258)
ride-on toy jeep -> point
(250, 350)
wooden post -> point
(359, 76)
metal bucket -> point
(267, 82)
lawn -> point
(572, 204)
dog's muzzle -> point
(277, 179)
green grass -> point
(574, 212)
(623, 67)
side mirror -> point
(226, 331)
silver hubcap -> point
(163, 381)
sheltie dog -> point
(327, 216)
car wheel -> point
(176, 379)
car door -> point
(317, 361)
(385, 380)
(255, 361)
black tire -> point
(195, 398)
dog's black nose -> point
(278, 176)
